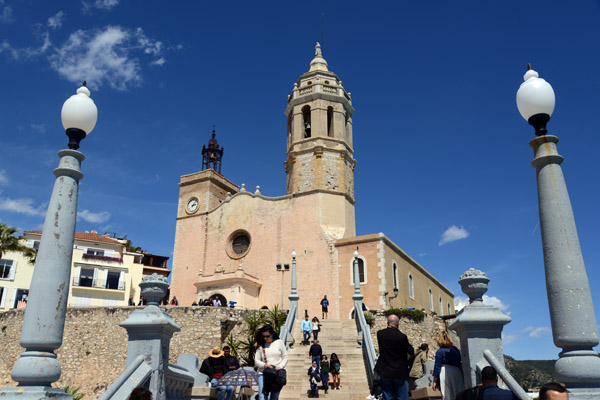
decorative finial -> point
(528, 66)
(84, 83)
(318, 52)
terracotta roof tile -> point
(93, 237)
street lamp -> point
(282, 268)
(572, 316)
(44, 320)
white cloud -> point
(537, 331)
(6, 14)
(461, 301)
(422, 254)
(26, 53)
(103, 57)
(3, 178)
(57, 20)
(506, 339)
(95, 218)
(22, 206)
(160, 62)
(99, 4)
(453, 234)
(41, 128)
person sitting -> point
(553, 391)
(231, 362)
(214, 367)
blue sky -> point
(443, 156)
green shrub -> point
(75, 392)
(369, 318)
(413, 315)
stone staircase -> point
(336, 336)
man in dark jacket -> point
(214, 366)
(392, 364)
(315, 352)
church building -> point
(236, 245)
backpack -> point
(475, 393)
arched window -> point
(449, 309)
(330, 121)
(306, 120)
(441, 306)
(289, 129)
(361, 270)
(430, 300)
(411, 287)
(395, 271)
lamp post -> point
(44, 320)
(572, 316)
(293, 297)
(282, 268)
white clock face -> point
(192, 205)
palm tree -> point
(9, 242)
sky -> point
(443, 156)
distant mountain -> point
(530, 373)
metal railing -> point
(97, 284)
(286, 332)
(505, 375)
(366, 341)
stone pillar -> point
(478, 326)
(150, 331)
(44, 319)
(572, 316)
(293, 297)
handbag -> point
(279, 376)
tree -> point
(9, 242)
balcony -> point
(86, 256)
(104, 284)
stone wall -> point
(94, 350)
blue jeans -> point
(223, 392)
(324, 377)
(313, 389)
(306, 336)
(262, 393)
(394, 389)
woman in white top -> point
(270, 353)
(316, 328)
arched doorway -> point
(221, 298)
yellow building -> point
(103, 271)
(234, 244)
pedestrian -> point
(216, 302)
(131, 301)
(324, 306)
(316, 327)
(306, 328)
(324, 367)
(553, 391)
(140, 393)
(447, 371)
(392, 364)
(231, 362)
(174, 301)
(488, 390)
(214, 367)
(270, 354)
(335, 369)
(314, 377)
(418, 366)
(142, 301)
(315, 352)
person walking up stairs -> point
(336, 336)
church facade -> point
(236, 245)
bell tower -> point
(319, 133)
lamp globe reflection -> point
(79, 115)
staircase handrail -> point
(177, 381)
(505, 375)
(135, 374)
(366, 341)
(286, 331)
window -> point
(112, 280)
(330, 121)
(3, 292)
(86, 278)
(430, 300)
(238, 244)
(95, 252)
(361, 270)
(306, 120)
(395, 277)
(7, 269)
(441, 306)
(411, 288)
(449, 309)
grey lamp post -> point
(572, 316)
(44, 321)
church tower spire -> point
(319, 133)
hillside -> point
(530, 373)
